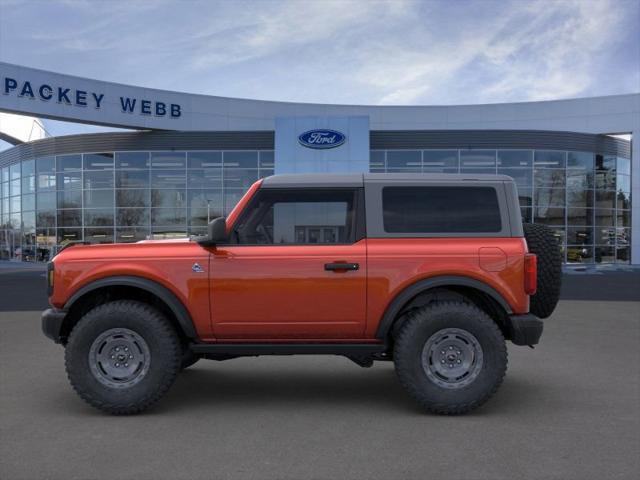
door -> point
(295, 268)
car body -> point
(318, 264)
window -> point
(69, 162)
(98, 161)
(514, 158)
(168, 198)
(579, 179)
(205, 178)
(549, 178)
(129, 160)
(94, 217)
(404, 160)
(168, 179)
(98, 198)
(169, 217)
(28, 168)
(266, 159)
(28, 184)
(45, 200)
(472, 161)
(69, 180)
(132, 198)
(623, 183)
(582, 160)
(445, 161)
(43, 165)
(522, 176)
(132, 216)
(624, 166)
(46, 181)
(298, 217)
(69, 218)
(46, 218)
(98, 235)
(441, 210)
(376, 161)
(168, 160)
(204, 159)
(128, 235)
(240, 160)
(132, 179)
(29, 202)
(549, 159)
(239, 178)
(98, 179)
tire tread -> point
(164, 328)
(405, 337)
(540, 240)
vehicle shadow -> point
(377, 390)
(307, 388)
(202, 389)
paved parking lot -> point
(570, 409)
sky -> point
(392, 52)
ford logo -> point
(322, 138)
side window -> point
(295, 217)
(433, 209)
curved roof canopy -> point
(45, 94)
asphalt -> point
(22, 289)
(570, 409)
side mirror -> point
(216, 233)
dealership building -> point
(188, 158)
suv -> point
(432, 272)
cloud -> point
(338, 51)
(553, 56)
(270, 28)
(542, 51)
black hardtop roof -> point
(291, 180)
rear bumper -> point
(525, 329)
(52, 320)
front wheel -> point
(450, 356)
(122, 357)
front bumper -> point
(525, 329)
(52, 320)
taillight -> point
(530, 273)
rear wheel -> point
(540, 240)
(450, 356)
(122, 357)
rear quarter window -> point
(441, 209)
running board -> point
(253, 349)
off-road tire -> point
(541, 241)
(164, 362)
(413, 337)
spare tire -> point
(541, 241)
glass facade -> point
(584, 197)
(121, 197)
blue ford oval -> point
(322, 138)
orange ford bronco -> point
(432, 272)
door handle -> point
(341, 266)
